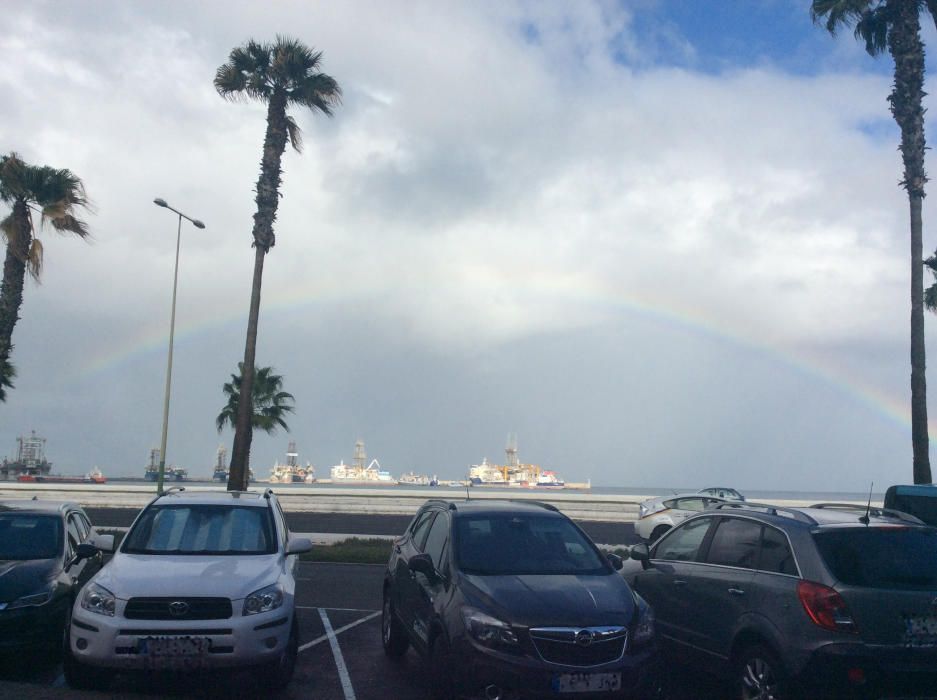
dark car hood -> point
(19, 578)
(553, 600)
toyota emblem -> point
(584, 637)
(178, 608)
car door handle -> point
(679, 582)
(736, 591)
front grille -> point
(178, 609)
(579, 646)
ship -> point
(357, 473)
(170, 473)
(95, 476)
(30, 458)
(411, 479)
(221, 471)
(513, 473)
(292, 472)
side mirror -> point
(422, 564)
(298, 545)
(105, 543)
(85, 550)
(641, 553)
(615, 561)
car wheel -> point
(78, 675)
(659, 532)
(279, 673)
(393, 636)
(440, 669)
(760, 676)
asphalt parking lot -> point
(340, 658)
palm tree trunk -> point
(239, 474)
(14, 276)
(907, 50)
(267, 199)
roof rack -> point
(171, 489)
(548, 506)
(268, 492)
(767, 508)
(872, 510)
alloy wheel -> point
(759, 680)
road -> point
(348, 665)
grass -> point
(353, 551)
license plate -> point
(920, 630)
(586, 682)
(173, 652)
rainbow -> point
(544, 290)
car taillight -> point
(825, 607)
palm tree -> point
(281, 74)
(269, 406)
(55, 195)
(894, 25)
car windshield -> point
(202, 529)
(510, 544)
(27, 536)
(894, 557)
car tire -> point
(759, 675)
(659, 532)
(393, 636)
(278, 674)
(439, 659)
(80, 676)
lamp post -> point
(172, 329)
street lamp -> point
(172, 329)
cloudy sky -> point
(661, 241)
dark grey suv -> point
(822, 602)
(509, 598)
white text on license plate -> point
(586, 682)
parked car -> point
(202, 580)
(722, 492)
(658, 515)
(920, 500)
(825, 602)
(501, 597)
(45, 558)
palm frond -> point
(8, 228)
(34, 259)
(70, 224)
(295, 134)
(839, 13)
(872, 28)
(246, 73)
(317, 92)
(930, 298)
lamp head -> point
(197, 224)
(160, 202)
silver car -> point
(657, 516)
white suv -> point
(202, 580)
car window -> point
(202, 529)
(74, 533)
(420, 528)
(776, 555)
(436, 540)
(81, 525)
(895, 558)
(85, 523)
(286, 528)
(683, 543)
(735, 543)
(30, 536)
(694, 504)
(517, 544)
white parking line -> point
(317, 607)
(344, 628)
(339, 659)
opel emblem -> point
(584, 637)
(178, 608)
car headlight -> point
(33, 599)
(488, 630)
(264, 600)
(644, 629)
(98, 599)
